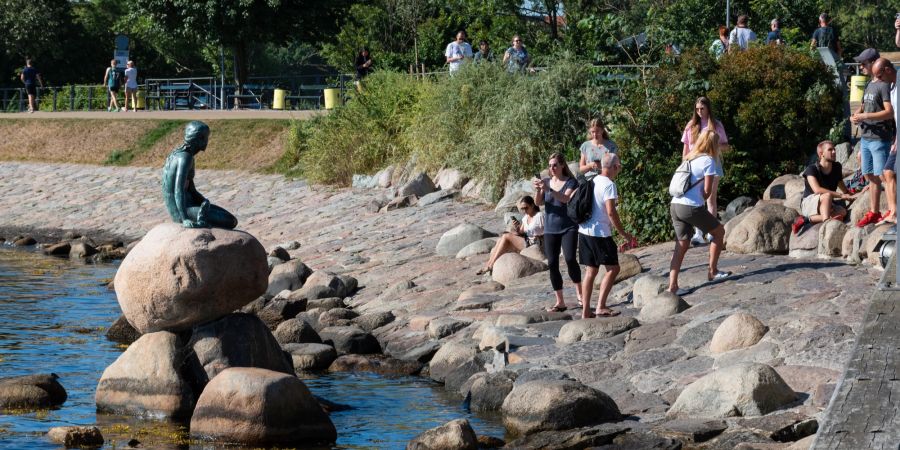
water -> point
(53, 316)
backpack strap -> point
(692, 185)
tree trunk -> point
(241, 69)
(551, 15)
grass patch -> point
(144, 144)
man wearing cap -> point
(826, 36)
(875, 119)
(865, 60)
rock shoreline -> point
(479, 336)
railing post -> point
(72, 97)
(55, 95)
(90, 102)
(21, 100)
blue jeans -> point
(874, 154)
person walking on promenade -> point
(888, 74)
(821, 199)
(875, 119)
(689, 210)
(560, 232)
(826, 36)
(112, 80)
(720, 46)
(131, 86)
(457, 52)
(592, 150)
(704, 119)
(484, 52)
(774, 36)
(528, 232)
(30, 78)
(741, 36)
(516, 58)
(596, 246)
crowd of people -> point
(459, 52)
(694, 212)
(741, 36)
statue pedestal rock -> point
(178, 277)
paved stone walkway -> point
(814, 309)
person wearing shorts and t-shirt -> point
(820, 193)
(458, 52)
(596, 246)
(875, 119)
(702, 119)
(112, 81)
(131, 86)
(689, 210)
(31, 77)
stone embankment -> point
(387, 282)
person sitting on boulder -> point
(821, 199)
(596, 246)
(689, 210)
(528, 232)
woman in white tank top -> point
(527, 233)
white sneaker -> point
(109, 109)
(698, 238)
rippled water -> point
(53, 316)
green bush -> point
(96, 98)
(362, 136)
(776, 104)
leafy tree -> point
(34, 30)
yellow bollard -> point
(332, 98)
(278, 99)
(858, 87)
(140, 100)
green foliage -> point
(295, 146)
(362, 136)
(776, 105)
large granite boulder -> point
(76, 437)
(806, 243)
(454, 435)
(598, 328)
(350, 339)
(419, 185)
(831, 238)
(487, 391)
(296, 331)
(746, 389)
(177, 277)
(450, 357)
(31, 392)
(236, 340)
(456, 239)
(512, 266)
(542, 405)
(341, 287)
(647, 288)
(777, 189)
(311, 357)
(736, 207)
(146, 380)
(288, 276)
(259, 407)
(665, 304)
(480, 247)
(738, 331)
(765, 228)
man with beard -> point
(822, 180)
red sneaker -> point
(799, 223)
(870, 217)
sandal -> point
(720, 275)
(589, 316)
(484, 270)
(608, 313)
(558, 308)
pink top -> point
(687, 138)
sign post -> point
(120, 54)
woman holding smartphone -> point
(528, 232)
(560, 232)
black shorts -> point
(597, 251)
(890, 162)
(114, 89)
(31, 89)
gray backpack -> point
(681, 181)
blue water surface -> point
(53, 316)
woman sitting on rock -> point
(527, 233)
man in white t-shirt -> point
(596, 246)
(131, 86)
(458, 51)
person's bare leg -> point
(606, 284)
(507, 243)
(681, 247)
(874, 193)
(587, 287)
(824, 209)
(579, 292)
(890, 190)
(31, 103)
(715, 249)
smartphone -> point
(537, 176)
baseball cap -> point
(867, 55)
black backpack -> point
(579, 207)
